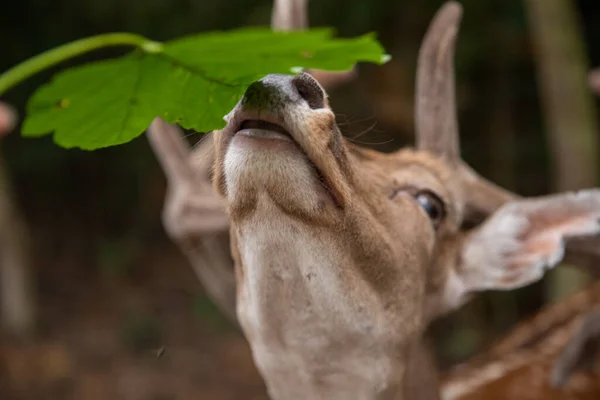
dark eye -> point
(433, 206)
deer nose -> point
(309, 89)
(276, 90)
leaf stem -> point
(54, 56)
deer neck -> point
(330, 267)
(317, 329)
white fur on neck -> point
(312, 321)
(302, 325)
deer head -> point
(343, 254)
(194, 214)
(329, 248)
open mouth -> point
(261, 129)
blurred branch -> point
(16, 291)
(7, 119)
(54, 56)
(567, 103)
(594, 80)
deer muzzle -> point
(282, 139)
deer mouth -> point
(263, 130)
(270, 135)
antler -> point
(436, 125)
(437, 128)
(194, 215)
(289, 15)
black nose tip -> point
(275, 90)
(310, 90)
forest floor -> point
(149, 336)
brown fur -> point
(384, 243)
(337, 277)
(524, 363)
(383, 260)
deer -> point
(554, 355)
(341, 256)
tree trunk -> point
(16, 289)
(568, 107)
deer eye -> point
(433, 206)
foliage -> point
(193, 81)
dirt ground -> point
(149, 336)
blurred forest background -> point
(119, 313)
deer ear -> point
(524, 238)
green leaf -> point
(91, 105)
(249, 52)
(193, 81)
